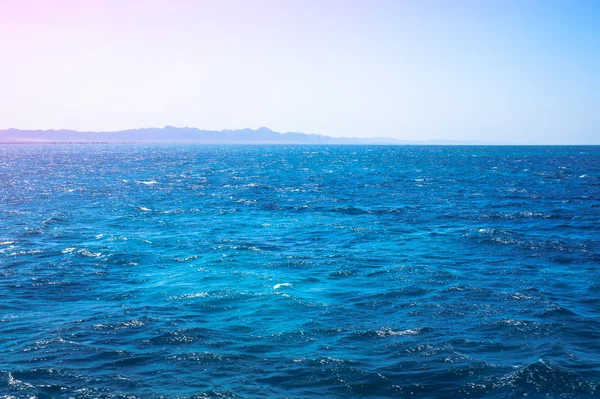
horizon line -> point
(377, 140)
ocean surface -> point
(193, 271)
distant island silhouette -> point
(170, 134)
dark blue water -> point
(299, 271)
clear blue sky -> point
(512, 71)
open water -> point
(147, 271)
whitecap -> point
(55, 340)
(187, 258)
(68, 250)
(121, 325)
(148, 183)
(584, 176)
(12, 381)
(88, 253)
(30, 252)
(143, 208)
(188, 296)
(278, 286)
(384, 332)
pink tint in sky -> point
(412, 70)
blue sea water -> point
(172, 271)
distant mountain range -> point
(170, 134)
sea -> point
(299, 271)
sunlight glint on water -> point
(299, 271)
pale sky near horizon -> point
(509, 71)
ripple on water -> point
(279, 271)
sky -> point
(503, 71)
